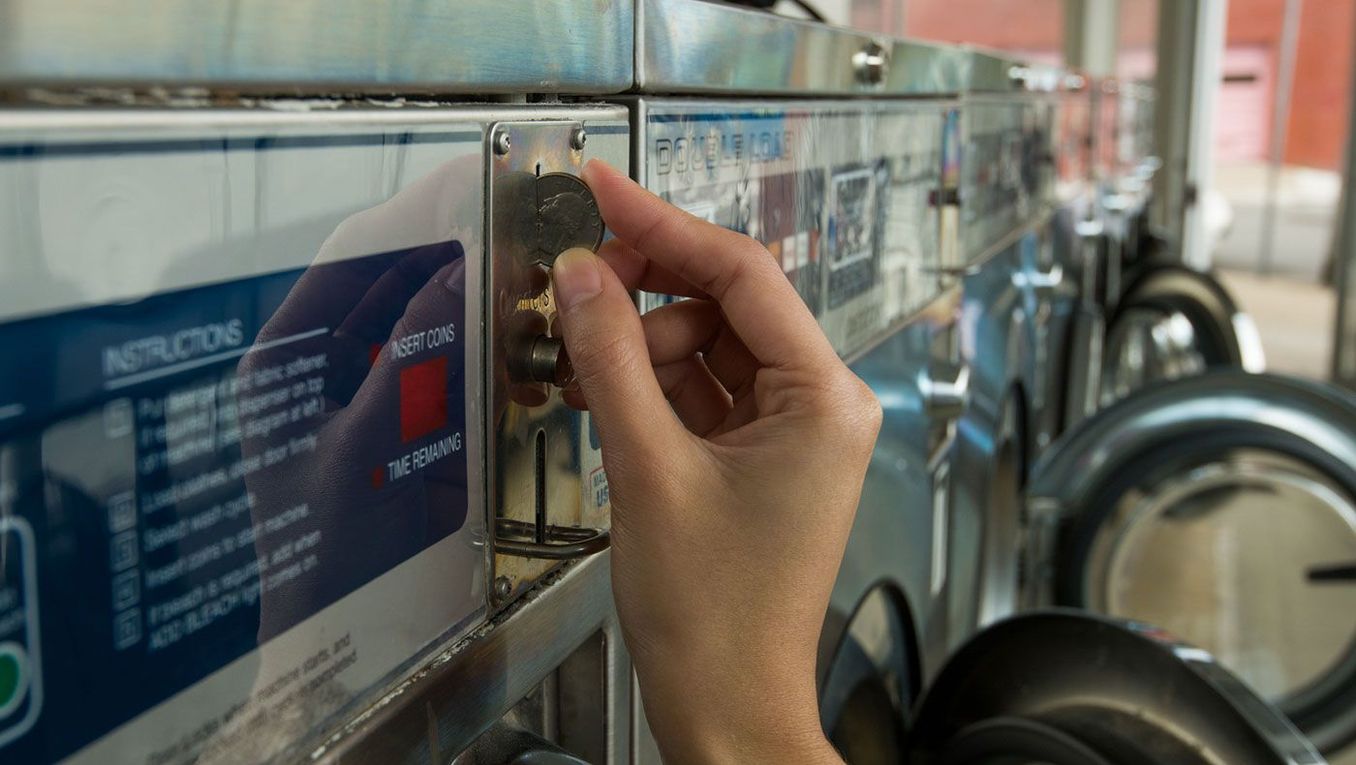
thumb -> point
(606, 343)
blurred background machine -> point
(282, 471)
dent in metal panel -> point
(466, 46)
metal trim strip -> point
(463, 690)
(690, 46)
(322, 45)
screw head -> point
(502, 588)
(578, 138)
(501, 142)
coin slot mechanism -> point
(543, 506)
(540, 463)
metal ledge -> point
(293, 46)
(461, 692)
(693, 46)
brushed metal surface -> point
(470, 685)
(536, 445)
(691, 46)
(899, 536)
(466, 46)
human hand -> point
(735, 443)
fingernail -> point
(576, 277)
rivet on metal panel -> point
(870, 64)
(502, 588)
(501, 142)
(578, 138)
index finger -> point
(738, 273)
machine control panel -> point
(853, 223)
(242, 482)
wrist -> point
(756, 722)
(784, 740)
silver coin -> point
(567, 216)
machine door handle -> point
(1342, 572)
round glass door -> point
(1236, 556)
(1147, 344)
(1241, 569)
(871, 681)
(1222, 509)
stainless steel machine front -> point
(854, 224)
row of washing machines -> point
(284, 477)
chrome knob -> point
(944, 388)
(544, 360)
(1089, 229)
(540, 359)
(550, 362)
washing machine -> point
(1169, 322)
(259, 407)
(277, 466)
(1159, 318)
(1010, 287)
(1197, 481)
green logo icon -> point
(13, 677)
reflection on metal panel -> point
(468, 46)
(1008, 169)
(852, 222)
(692, 46)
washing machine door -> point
(1174, 322)
(1067, 688)
(871, 681)
(1221, 508)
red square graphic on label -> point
(423, 398)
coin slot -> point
(541, 487)
(538, 169)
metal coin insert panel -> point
(545, 506)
